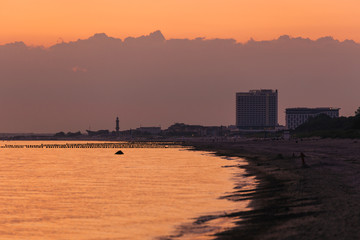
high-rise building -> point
(297, 116)
(257, 109)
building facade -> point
(257, 109)
(297, 116)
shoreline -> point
(318, 201)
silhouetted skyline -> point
(152, 81)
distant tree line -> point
(69, 134)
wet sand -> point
(320, 200)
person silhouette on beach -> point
(302, 155)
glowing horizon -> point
(42, 22)
(62, 40)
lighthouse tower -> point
(117, 128)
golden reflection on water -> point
(94, 194)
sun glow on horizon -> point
(42, 22)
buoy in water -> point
(119, 152)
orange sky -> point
(44, 22)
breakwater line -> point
(99, 145)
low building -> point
(181, 129)
(149, 130)
(297, 116)
(98, 133)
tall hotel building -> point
(297, 116)
(257, 109)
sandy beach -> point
(320, 200)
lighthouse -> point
(117, 128)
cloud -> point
(153, 81)
(78, 69)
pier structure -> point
(99, 145)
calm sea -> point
(147, 193)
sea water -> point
(147, 193)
